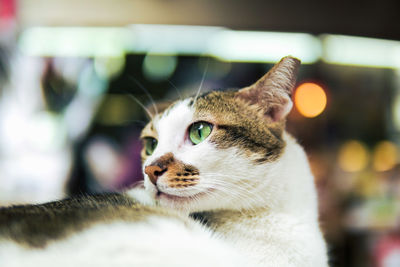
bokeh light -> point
(385, 156)
(396, 110)
(116, 110)
(159, 67)
(353, 156)
(310, 99)
(109, 67)
(216, 69)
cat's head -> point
(218, 150)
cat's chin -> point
(175, 201)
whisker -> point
(137, 121)
(143, 106)
(243, 194)
(239, 196)
(146, 92)
(176, 89)
(201, 83)
(133, 122)
(137, 184)
(231, 177)
(237, 188)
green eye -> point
(150, 145)
(199, 131)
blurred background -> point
(75, 75)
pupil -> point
(199, 130)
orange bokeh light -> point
(310, 99)
(385, 156)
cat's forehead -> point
(220, 105)
(217, 107)
(176, 115)
(212, 106)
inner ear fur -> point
(272, 93)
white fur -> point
(156, 242)
(284, 231)
(287, 232)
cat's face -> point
(218, 151)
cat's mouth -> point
(163, 196)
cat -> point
(225, 185)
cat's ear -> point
(272, 93)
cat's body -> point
(107, 230)
(225, 159)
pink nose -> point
(154, 171)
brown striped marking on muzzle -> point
(178, 174)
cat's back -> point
(36, 225)
(107, 229)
